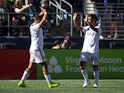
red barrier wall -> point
(13, 64)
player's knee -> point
(44, 63)
(82, 65)
(95, 67)
(28, 70)
(45, 68)
(45, 72)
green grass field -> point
(66, 86)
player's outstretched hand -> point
(86, 18)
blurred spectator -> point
(26, 8)
(18, 6)
(23, 30)
(67, 43)
(3, 6)
(111, 8)
(19, 18)
(2, 3)
(57, 45)
(10, 5)
(30, 12)
(3, 17)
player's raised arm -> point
(44, 13)
(76, 24)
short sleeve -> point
(85, 28)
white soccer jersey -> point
(37, 54)
(91, 40)
(36, 37)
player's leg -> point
(45, 72)
(26, 74)
(96, 75)
(96, 69)
(47, 75)
(84, 73)
(83, 61)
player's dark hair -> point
(38, 17)
(93, 16)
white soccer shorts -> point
(37, 56)
(91, 58)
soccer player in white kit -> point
(37, 55)
(90, 50)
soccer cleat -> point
(95, 85)
(52, 85)
(86, 83)
(21, 84)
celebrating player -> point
(90, 48)
(37, 54)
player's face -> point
(90, 20)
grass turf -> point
(66, 86)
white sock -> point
(96, 76)
(84, 74)
(25, 76)
(47, 77)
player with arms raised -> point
(37, 54)
(90, 48)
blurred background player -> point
(37, 54)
